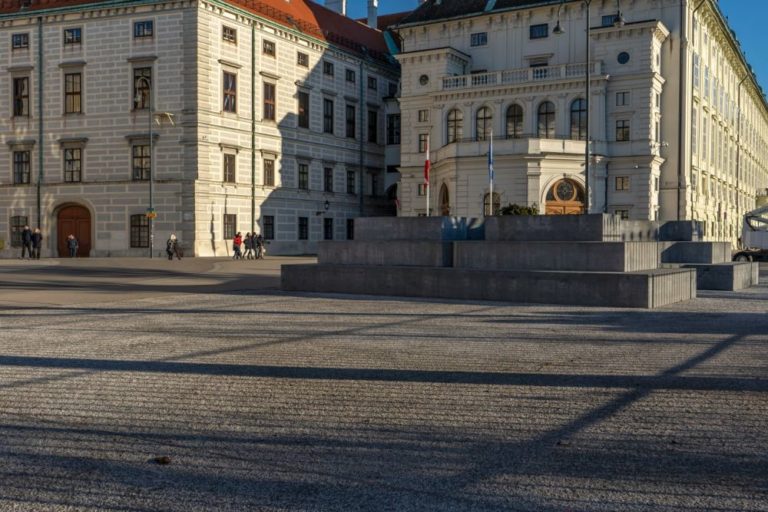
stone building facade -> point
(268, 116)
(678, 124)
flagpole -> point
(426, 174)
(490, 176)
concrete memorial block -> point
(419, 228)
(569, 228)
(695, 252)
(386, 252)
(576, 256)
(681, 231)
(729, 276)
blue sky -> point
(745, 16)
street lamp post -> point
(558, 30)
(151, 210)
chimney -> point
(339, 6)
(373, 13)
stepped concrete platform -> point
(569, 256)
(419, 228)
(695, 252)
(681, 231)
(569, 228)
(647, 289)
(729, 276)
(386, 252)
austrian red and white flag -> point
(426, 164)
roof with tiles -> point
(435, 10)
(304, 16)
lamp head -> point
(558, 30)
(619, 20)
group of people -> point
(254, 247)
(32, 244)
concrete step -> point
(647, 289)
(573, 256)
(570, 228)
(419, 228)
(695, 252)
(386, 252)
(729, 276)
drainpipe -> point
(253, 129)
(362, 133)
(40, 119)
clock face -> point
(623, 58)
(423, 79)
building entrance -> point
(565, 197)
(74, 220)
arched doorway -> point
(445, 201)
(74, 220)
(565, 197)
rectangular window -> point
(624, 214)
(230, 226)
(421, 189)
(302, 59)
(393, 129)
(350, 229)
(696, 71)
(327, 68)
(622, 99)
(350, 122)
(303, 109)
(622, 131)
(478, 39)
(373, 126)
(229, 34)
(327, 229)
(142, 81)
(269, 173)
(694, 129)
(303, 228)
(423, 142)
(539, 31)
(268, 48)
(21, 96)
(17, 227)
(351, 189)
(328, 179)
(608, 20)
(142, 29)
(139, 230)
(373, 83)
(19, 41)
(328, 116)
(73, 165)
(270, 106)
(72, 36)
(268, 222)
(658, 100)
(21, 167)
(229, 168)
(230, 92)
(622, 182)
(303, 177)
(141, 162)
(423, 116)
(706, 82)
(72, 93)
(350, 75)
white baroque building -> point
(269, 115)
(678, 123)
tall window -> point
(327, 116)
(303, 228)
(72, 36)
(350, 121)
(142, 80)
(229, 168)
(372, 83)
(483, 123)
(622, 98)
(230, 92)
(455, 125)
(139, 230)
(268, 222)
(373, 126)
(374, 184)
(268, 48)
(622, 183)
(694, 129)
(269, 173)
(328, 229)
(514, 122)
(229, 34)
(73, 165)
(328, 179)
(303, 109)
(302, 59)
(327, 68)
(141, 162)
(546, 120)
(143, 29)
(351, 182)
(19, 41)
(423, 142)
(230, 226)
(350, 75)
(393, 129)
(72, 93)
(579, 119)
(487, 205)
(270, 106)
(303, 176)
(21, 96)
(17, 227)
(20, 167)
(622, 131)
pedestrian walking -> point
(72, 245)
(248, 246)
(172, 247)
(260, 249)
(37, 243)
(26, 242)
(237, 244)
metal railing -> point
(520, 75)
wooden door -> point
(566, 197)
(74, 220)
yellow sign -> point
(151, 215)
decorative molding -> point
(230, 64)
(142, 58)
(72, 141)
(269, 75)
(72, 64)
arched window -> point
(445, 201)
(579, 119)
(455, 125)
(496, 204)
(514, 122)
(547, 120)
(484, 123)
